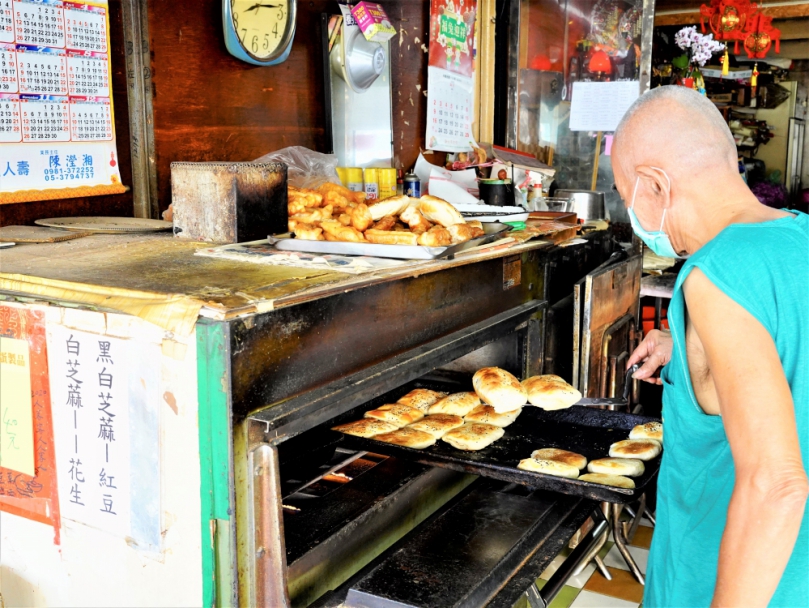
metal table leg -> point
(566, 569)
(601, 567)
(630, 528)
(620, 542)
(658, 312)
(592, 555)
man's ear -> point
(657, 181)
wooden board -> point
(37, 234)
(163, 264)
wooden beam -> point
(484, 100)
(794, 29)
(794, 49)
(691, 17)
(677, 19)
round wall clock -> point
(259, 32)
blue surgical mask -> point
(659, 241)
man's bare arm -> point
(771, 488)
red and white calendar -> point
(57, 130)
(451, 75)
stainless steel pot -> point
(587, 204)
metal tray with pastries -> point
(586, 431)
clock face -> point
(261, 25)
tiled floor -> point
(591, 590)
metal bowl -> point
(587, 204)
(557, 204)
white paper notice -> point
(599, 106)
(90, 401)
(456, 187)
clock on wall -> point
(259, 31)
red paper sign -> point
(33, 497)
(452, 35)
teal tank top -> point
(763, 267)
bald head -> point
(675, 128)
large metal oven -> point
(321, 521)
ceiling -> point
(789, 17)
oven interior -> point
(367, 529)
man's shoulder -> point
(785, 239)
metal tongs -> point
(613, 403)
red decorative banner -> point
(452, 35)
(35, 497)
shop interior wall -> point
(209, 106)
(800, 72)
(116, 205)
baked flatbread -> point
(421, 399)
(393, 205)
(437, 424)
(609, 480)
(367, 427)
(395, 413)
(642, 449)
(473, 436)
(629, 467)
(407, 437)
(650, 430)
(488, 415)
(550, 392)
(569, 458)
(439, 211)
(549, 467)
(459, 404)
(499, 389)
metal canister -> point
(354, 179)
(387, 182)
(341, 173)
(412, 185)
(371, 184)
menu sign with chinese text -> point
(57, 136)
(450, 75)
(89, 382)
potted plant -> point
(699, 48)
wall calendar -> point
(57, 127)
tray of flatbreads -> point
(333, 219)
(491, 232)
(586, 432)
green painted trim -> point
(214, 451)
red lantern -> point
(600, 63)
(759, 36)
(727, 18)
(540, 62)
(741, 21)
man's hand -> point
(655, 352)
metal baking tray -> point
(493, 213)
(493, 231)
(583, 430)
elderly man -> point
(732, 527)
